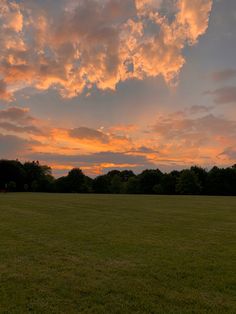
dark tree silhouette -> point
(34, 177)
(188, 183)
(12, 175)
(148, 179)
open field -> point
(117, 254)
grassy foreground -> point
(117, 254)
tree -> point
(61, 185)
(12, 171)
(116, 184)
(167, 184)
(202, 177)
(126, 175)
(32, 176)
(11, 186)
(76, 180)
(132, 186)
(148, 179)
(38, 177)
(101, 184)
(188, 183)
(221, 181)
(113, 173)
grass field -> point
(117, 254)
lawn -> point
(117, 254)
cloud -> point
(89, 134)
(187, 137)
(20, 129)
(4, 94)
(18, 120)
(190, 140)
(146, 150)
(74, 45)
(224, 95)
(224, 75)
(124, 128)
(193, 16)
(94, 163)
(198, 109)
(198, 129)
(97, 158)
(16, 114)
(230, 153)
(14, 147)
(11, 16)
(87, 140)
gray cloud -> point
(7, 126)
(230, 152)
(14, 147)
(196, 109)
(18, 120)
(192, 132)
(224, 95)
(16, 114)
(96, 158)
(145, 150)
(89, 134)
(224, 75)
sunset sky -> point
(118, 84)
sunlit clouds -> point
(104, 84)
(95, 42)
(180, 138)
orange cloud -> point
(11, 16)
(4, 94)
(92, 44)
(181, 138)
(87, 140)
(124, 128)
(197, 140)
(193, 16)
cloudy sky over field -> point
(104, 84)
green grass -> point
(117, 254)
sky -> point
(114, 84)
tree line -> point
(34, 177)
